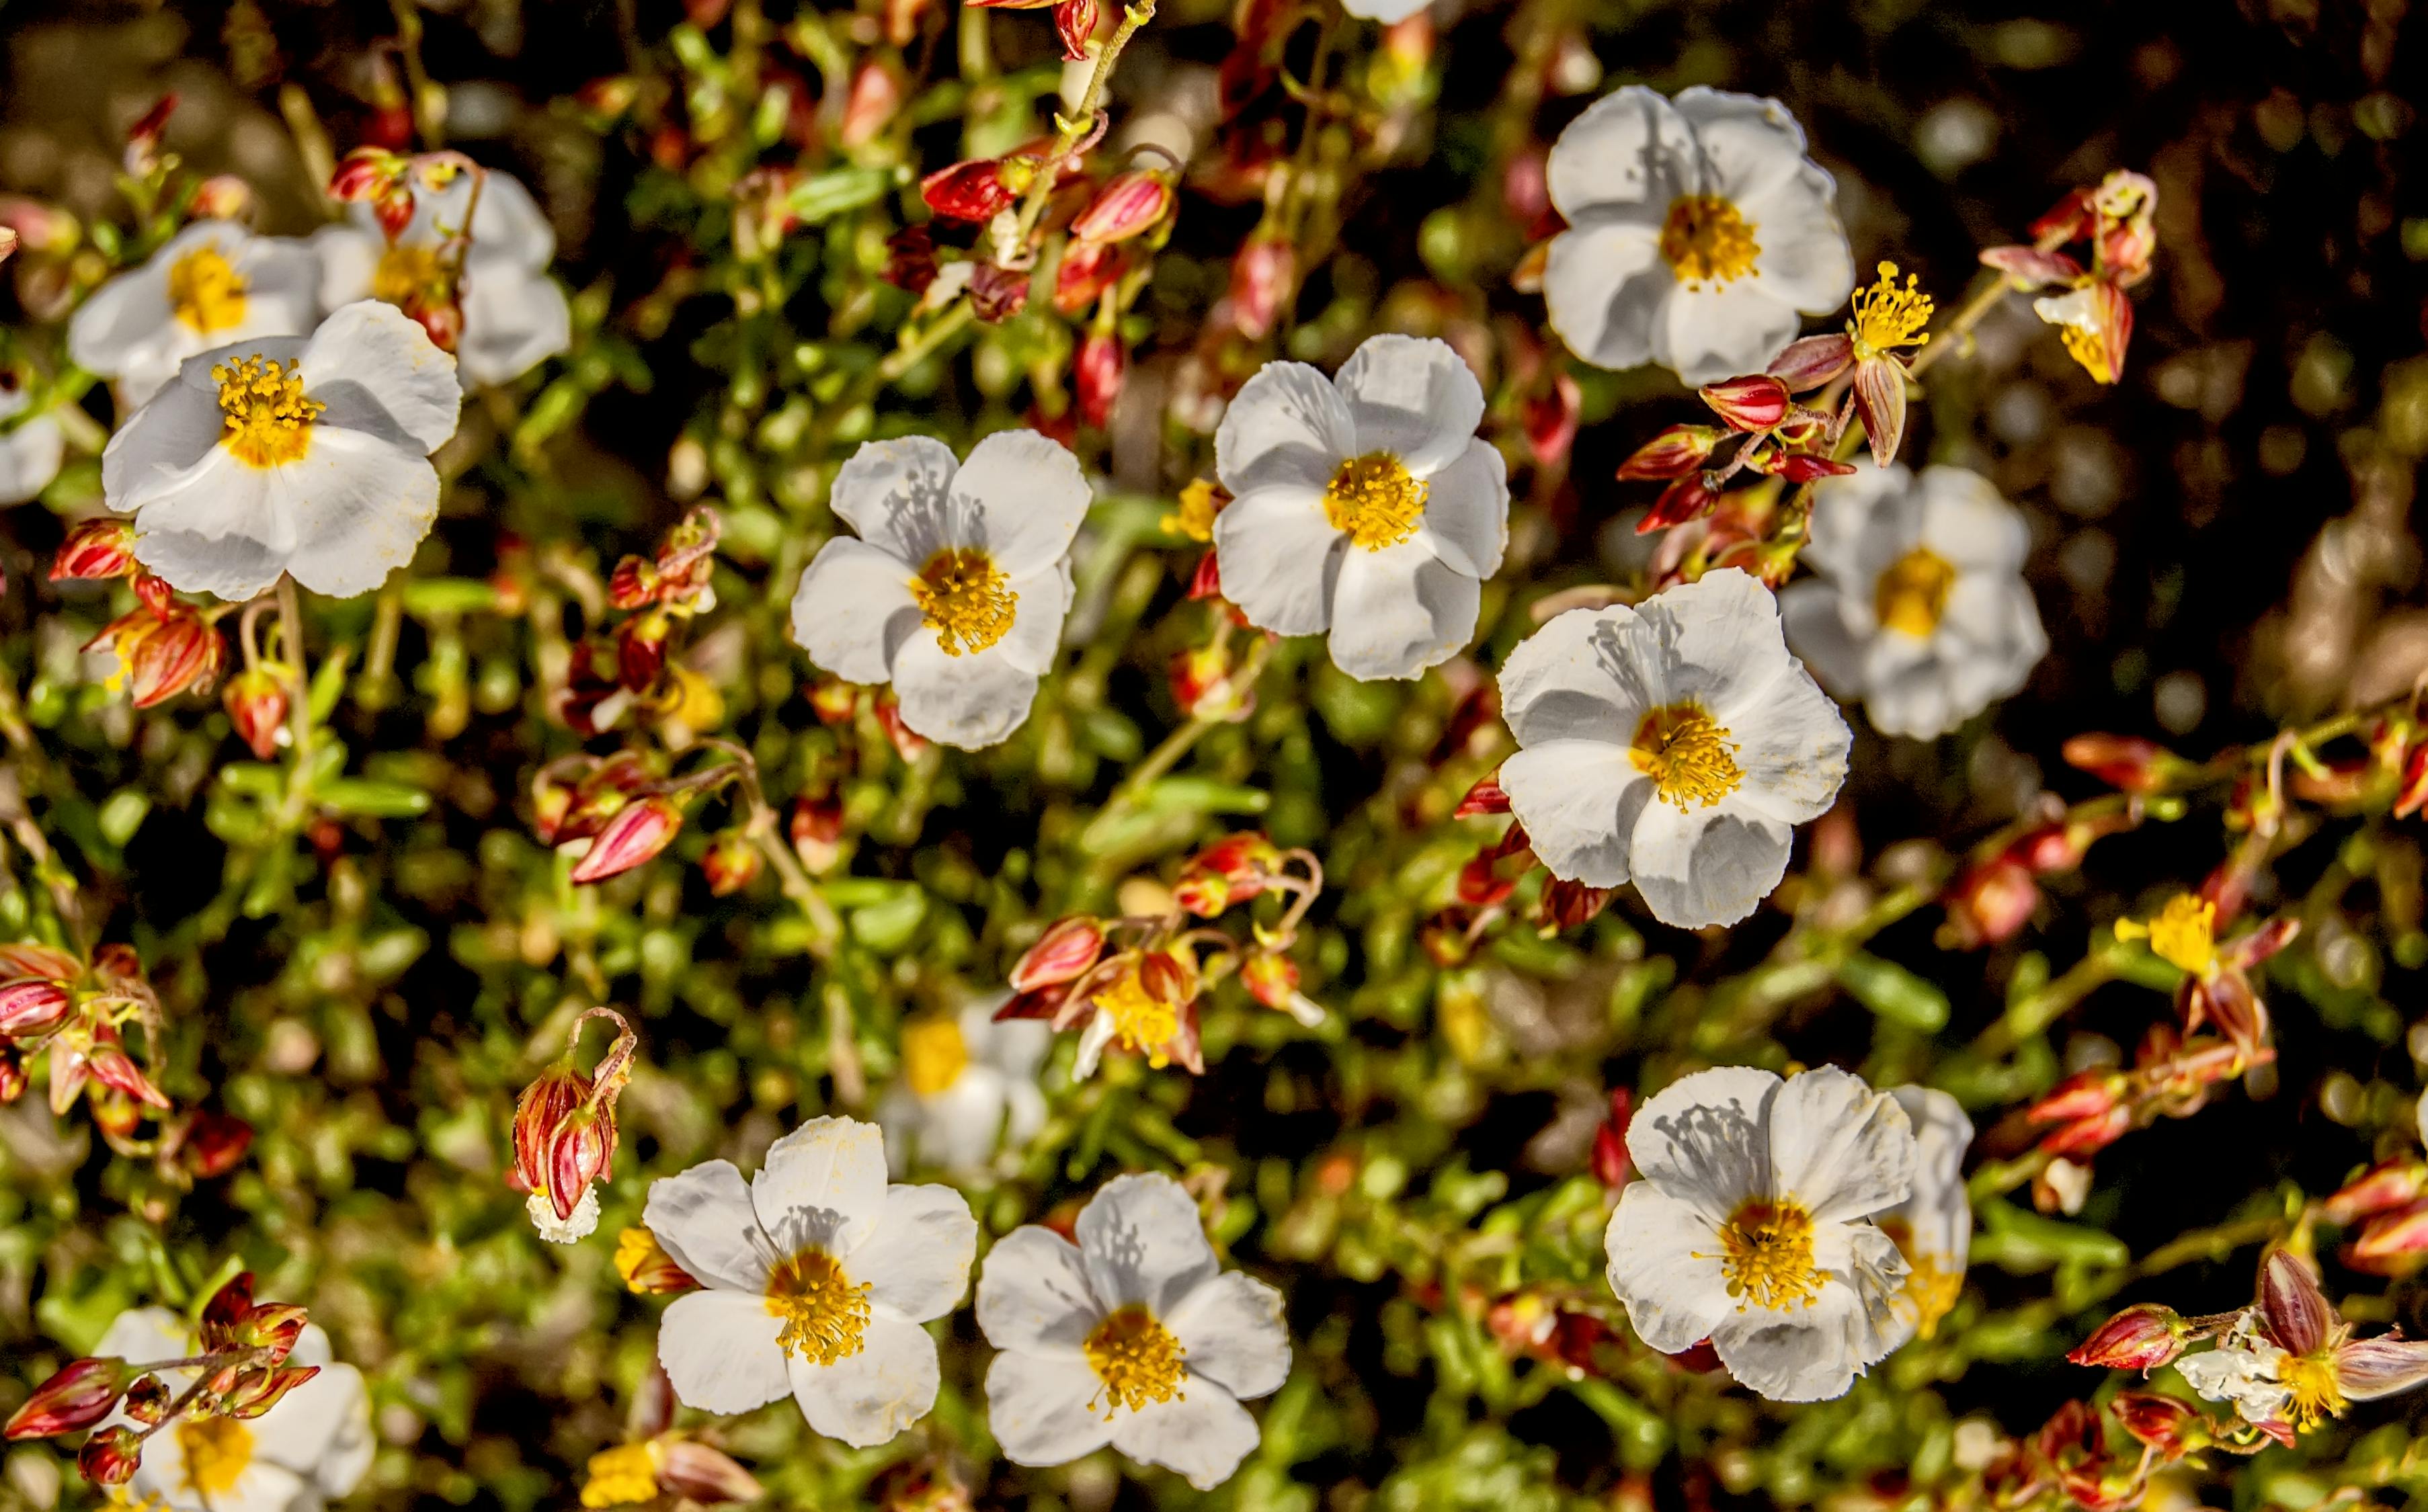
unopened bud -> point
(1270, 978)
(2141, 1338)
(1064, 954)
(1098, 372)
(694, 1470)
(1086, 269)
(109, 1458)
(33, 1006)
(148, 1400)
(367, 173)
(1674, 453)
(75, 1397)
(637, 833)
(1755, 402)
(732, 864)
(645, 1266)
(1131, 204)
(815, 830)
(2166, 1424)
(975, 190)
(256, 700)
(2126, 762)
(1261, 276)
(103, 548)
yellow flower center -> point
(1706, 241)
(624, 1475)
(206, 291)
(1195, 516)
(966, 598)
(1913, 594)
(1888, 317)
(2317, 1397)
(2183, 934)
(934, 1055)
(1931, 1287)
(1766, 1254)
(1688, 755)
(1141, 1021)
(1136, 1359)
(269, 420)
(2085, 346)
(403, 272)
(824, 1313)
(1374, 502)
(217, 1452)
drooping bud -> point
(75, 1397)
(97, 550)
(646, 1268)
(1064, 953)
(1688, 499)
(109, 1458)
(256, 700)
(1261, 276)
(1755, 402)
(1131, 204)
(142, 154)
(564, 1132)
(2169, 1425)
(224, 197)
(732, 864)
(1270, 978)
(2141, 1337)
(694, 1470)
(1673, 453)
(1808, 364)
(636, 834)
(31, 1007)
(1226, 873)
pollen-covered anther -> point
(1136, 1359)
(1688, 755)
(269, 420)
(1143, 1022)
(1888, 316)
(1912, 595)
(934, 1055)
(205, 291)
(966, 598)
(1766, 1254)
(825, 1312)
(1705, 239)
(1374, 500)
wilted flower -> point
(2290, 1363)
(2217, 988)
(564, 1133)
(968, 1088)
(161, 653)
(2118, 220)
(212, 285)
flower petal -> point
(1714, 866)
(1034, 1294)
(1964, 518)
(152, 451)
(1808, 1354)
(1041, 604)
(1751, 146)
(1278, 557)
(1720, 643)
(1399, 611)
(1939, 1214)
(1037, 1408)
(349, 258)
(514, 320)
(1580, 677)
(972, 701)
(1143, 1242)
(1466, 510)
(720, 1352)
(1665, 1267)
(1708, 334)
(917, 1259)
(218, 528)
(376, 370)
(1288, 425)
(872, 1396)
(1578, 801)
(1630, 147)
(1413, 397)
(1793, 752)
(30, 458)
(360, 504)
(853, 611)
(299, 1433)
(1838, 1148)
(1704, 1139)
(705, 1220)
(898, 496)
(1605, 288)
(1204, 1434)
(1027, 495)
(1810, 614)
(1232, 1331)
(821, 1184)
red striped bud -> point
(110, 1456)
(76, 1397)
(33, 1006)
(1098, 372)
(1755, 402)
(1131, 204)
(96, 548)
(1674, 453)
(256, 700)
(1065, 953)
(1808, 364)
(975, 190)
(2141, 1338)
(637, 833)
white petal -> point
(1389, 12)
(897, 495)
(1750, 144)
(1143, 1242)
(875, 1394)
(178, 427)
(972, 701)
(509, 224)
(1792, 750)
(1605, 288)
(1630, 147)
(145, 1334)
(1704, 1139)
(720, 1352)
(514, 320)
(1232, 1332)
(1838, 1148)
(350, 1450)
(361, 505)
(1719, 330)
(962, 1126)
(1714, 866)
(1204, 1434)
(1399, 611)
(1466, 510)
(1664, 1268)
(1721, 643)
(349, 258)
(1579, 677)
(1042, 601)
(1805, 1355)
(853, 611)
(1028, 496)
(298, 1432)
(1288, 425)
(1413, 397)
(127, 320)
(220, 526)
(1861, 523)
(376, 370)
(1037, 1408)
(1914, 696)
(1578, 801)
(1965, 521)
(704, 1219)
(917, 1261)
(1034, 1296)
(29, 459)
(1939, 1214)
(1810, 613)
(1278, 556)
(1804, 262)
(821, 1184)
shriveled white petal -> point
(1288, 425)
(1718, 331)
(916, 1262)
(1630, 147)
(853, 611)
(1399, 611)
(574, 1227)
(1578, 801)
(1466, 510)
(360, 505)
(1037, 1408)
(1575, 680)
(1605, 288)
(720, 1352)
(821, 1184)
(1034, 1295)
(971, 700)
(704, 1220)
(1665, 1267)
(1711, 865)
(1202, 1434)
(1413, 397)
(1841, 1149)
(898, 496)
(1279, 555)
(514, 320)
(29, 458)
(869, 1397)
(1025, 495)
(1704, 1139)
(1143, 1242)
(376, 370)
(1231, 1329)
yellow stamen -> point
(1688, 755)
(622, 1476)
(1141, 1021)
(1931, 1287)
(205, 291)
(934, 1055)
(1887, 316)
(1195, 516)
(1374, 501)
(1706, 241)
(2085, 345)
(825, 1312)
(2316, 1394)
(1136, 1359)
(966, 598)
(218, 1450)
(1912, 595)
(1766, 1254)
(403, 272)
(2183, 934)
(269, 420)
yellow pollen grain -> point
(1690, 756)
(205, 291)
(269, 420)
(403, 272)
(1195, 516)
(2183, 935)
(1374, 500)
(622, 1476)
(216, 1450)
(1138, 1362)
(1912, 595)
(1141, 1021)
(2316, 1394)
(966, 599)
(1705, 240)
(1766, 1254)
(934, 1055)
(825, 1312)
(1888, 317)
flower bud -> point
(2028, 268)
(256, 700)
(1989, 905)
(697, 1472)
(214, 1143)
(1755, 402)
(1808, 364)
(75, 1397)
(1688, 499)
(1270, 978)
(1673, 453)
(1612, 1165)
(732, 864)
(1098, 371)
(1064, 953)
(646, 1268)
(908, 743)
(2126, 762)
(1485, 797)
(367, 173)
(109, 1065)
(40, 227)
(393, 210)
(834, 701)
(1804, 467)
(1131, 204)
(974, 190)
(1550, 419)
(224, 197)
(109, 1458)
(815, 830)
(96, 548)
(637, 833)
(874, 103)
(1565, 905)
(2166, 1424)
(1086, 269)
(2380, 1189)
(148, 1400)
(1226, 873)
(2141, 1337)
(1075, 22)
(33, 1006)
(998, 293)
(1262, 277)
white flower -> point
(213, 284)
(2243, 1369)
(1673, 744)
(1933, 1227)
(286, 455)
(1365, 505)
(1135, 1337)
(817, 1277)
(30, 453)
(313, 1447)
(955, 589)
(1751, 1226)
(1697, 230)
(515, 315)
(1920, 610)
(968, 1088)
